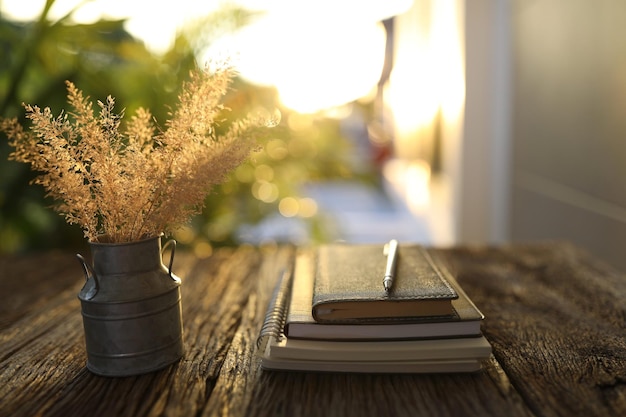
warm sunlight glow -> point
(447, 39)
(315, 60)
(317, 53)
(411, 181)
(428, 75)
(301, 207)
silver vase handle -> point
(89, 273)
(171, 243)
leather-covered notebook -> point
(299, 322)
(348, 285)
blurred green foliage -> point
(102, 59)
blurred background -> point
(432, 121)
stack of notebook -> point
(332, 313)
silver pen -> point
(391, 251)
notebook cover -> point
(300, 322)
(348, 284)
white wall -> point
(569, 124)
(482, 182)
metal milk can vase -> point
(131, 308)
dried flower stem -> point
(127, 185)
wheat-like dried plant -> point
(124, 184)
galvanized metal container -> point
(131, 308)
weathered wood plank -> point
(241, 368)
(316, 394)
(42, 361)
(39, 354)
(556, 318)
(214, 291)
(25, 284)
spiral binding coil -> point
(276, 311)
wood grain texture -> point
(556, 318)
(26, 283)
(554, 315)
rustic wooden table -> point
(556, 318)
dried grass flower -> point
(127, 183)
